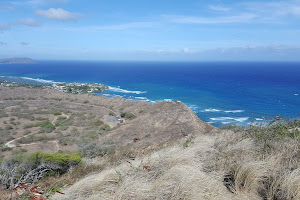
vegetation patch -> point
(30, 168)
(105, 127)
(128, 115)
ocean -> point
(219, 93)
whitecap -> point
(211, 110)
(234, 111)
(296, 94)
(115, 95)
(40, 80)
(168, 100)
(142, 98)
(116, 89)
(193, 107)
(238, 119)
(225, 122)
(259, 119)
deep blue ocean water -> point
(218, 92)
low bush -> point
(105, 127)
(30, 168)
(98, 123)
(128, 115)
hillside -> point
(154, 124)
(137, 150)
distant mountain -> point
(16, 61)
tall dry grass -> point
(261, 162)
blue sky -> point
(193, 30)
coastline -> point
(218, 104)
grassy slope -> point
(224, 165)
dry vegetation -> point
(222, 165)
(163, 152)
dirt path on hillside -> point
(11, 145)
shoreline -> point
(215, 116)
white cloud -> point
(243, 18)
(24, 22)
(281, 8)
(58, 14)
(219, 8)
(28, 22)
(41, 2)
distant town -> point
(74, 88)
(78, 88)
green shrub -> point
(63, 159)
(111, 114)
(128, 115)
(56, 113)
(105, 127)
(32, 138)
(98, 123)
(5, 148)
(47, 124)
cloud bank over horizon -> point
(156, 30)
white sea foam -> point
(193, 107)
(116, 89)
(259, 119)
(225, 122)
(234, 111)
(40, 80)
(115, 95)
(238, 119)
(168, 100)
(15, 78)
(296, 94)
(211, 110)
(142, 98)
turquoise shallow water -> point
(218, 92)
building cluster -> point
(78, 88)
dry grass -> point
(225, 165)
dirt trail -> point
(11, 145)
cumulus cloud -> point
(24, 22)
(58, 14)
(28, 22)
